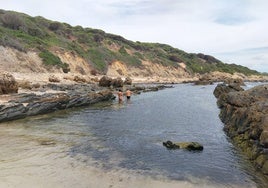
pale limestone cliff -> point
(29, 66)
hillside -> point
(35, 44)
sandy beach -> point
(29, 165)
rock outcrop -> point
(23, 105)
(245, 115)
(8, 84)
(106, 81)
(128, 81)
(210, 78)
(190, 146)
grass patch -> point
(50, 59)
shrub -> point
(54, 26)
(12, 42)
(100, 57)
(123, 51)
(50, 59)
(94, 72)
(175, 58)
(12, 21)
(35, 32)
(98, 38)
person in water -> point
(128, 93)
(120, 95)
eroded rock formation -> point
(8, 84)
(245, 115)
(23, 105)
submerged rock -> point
(191, 146)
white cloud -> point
(208, 26)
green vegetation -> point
(98, 48)
(50, 59)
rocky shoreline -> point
(23, 105)
(17, 104)
(245, 115)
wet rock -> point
(12, 111)
(191, 146)
(8, 84)
(48, 103)
(23, 105)
(245, 115)
(232, 81)
(223, 89)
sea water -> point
(125, 139)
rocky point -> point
(245, 115)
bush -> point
(123, 51)
(11, 42)
(35, 32)
(98, 38)
(54, 26)
(50, 59)
(175, 58)
(100, 57)
(12, 21)
(94, 72)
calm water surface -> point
(129, 136)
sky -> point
(234, 31)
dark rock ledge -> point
(245, 115)
(14, 105)
(23, 105)
(63, 96)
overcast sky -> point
(234, 31)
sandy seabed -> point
(24, 163)
(65, 172)
(38, 161)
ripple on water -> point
(127, 138)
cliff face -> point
(245, 115)
(35, 44)
(149, 71)
(13, 60)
